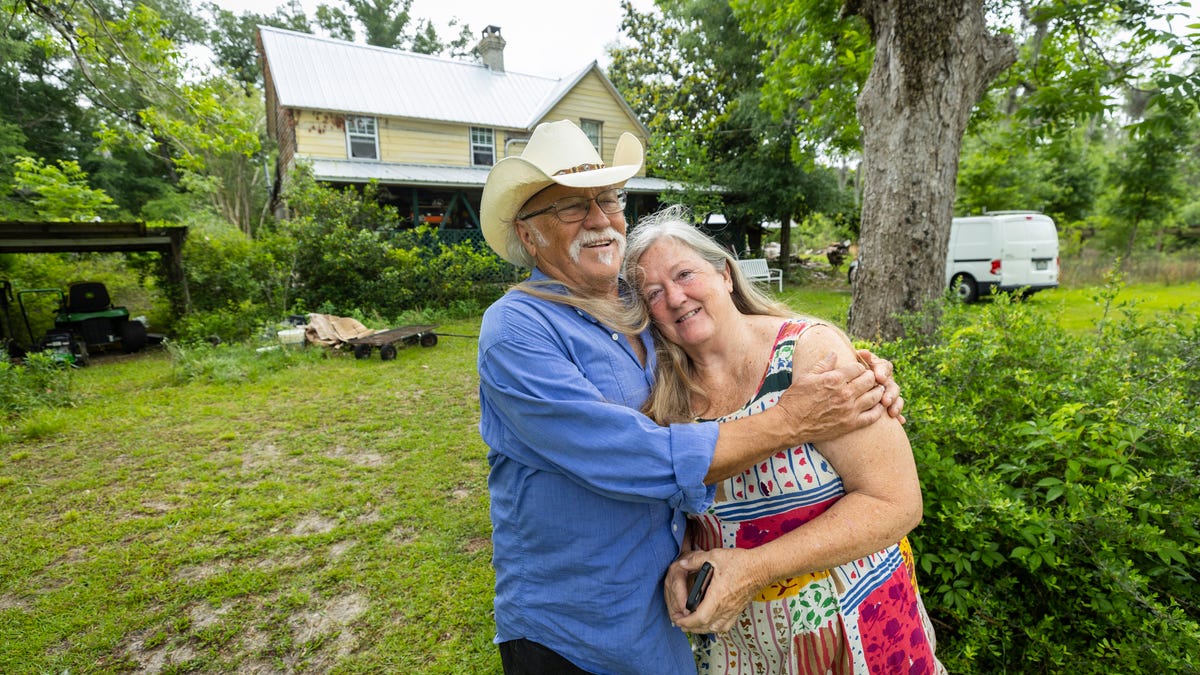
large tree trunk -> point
(933, 61)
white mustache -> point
(589, 237)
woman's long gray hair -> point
(674, 384)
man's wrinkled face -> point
(585, 254)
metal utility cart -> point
(386, 341)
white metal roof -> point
(339, 170)
(320, 73)
(342, 170)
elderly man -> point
(588, 495)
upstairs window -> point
(593, 130)
(483, 147)
(362, 138)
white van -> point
(1005, 250)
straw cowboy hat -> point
(557, 152)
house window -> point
(362, 138)
(592, 129)
(483, 147)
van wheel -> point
(965, 287)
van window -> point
(1041, 230)
(973, 241)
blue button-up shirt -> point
(588, 496)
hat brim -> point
(513, 180)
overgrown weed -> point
(238, 362)
(1090, 267)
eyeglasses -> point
(575, 209)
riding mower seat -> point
(87, 297)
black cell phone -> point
(699, 586)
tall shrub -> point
(1061, 476)
(236, 284)
(353, 256)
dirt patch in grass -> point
(204, 615)
(153, 659)
(339, 549)
(202, 571)
(476, 544)
(320, 635)
(314, 524)
(73, 556)
(8, 601)
(261, 455)
(358, 457)
(293, 561)
(151, 507)
(329, 622)
(368, 517)
(402, 535)
(254, 641)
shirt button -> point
(615, 337)
(675, 527)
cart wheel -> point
(387, 352)
(80, 350)
(133, 336)
(428, 339)
(362, 351)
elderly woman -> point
(811, 572)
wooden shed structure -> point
(88, 237)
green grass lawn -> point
(1081, 309)
(322, 514)
(278, 511)
(1076, 309)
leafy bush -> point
(236, 322)
(447, 273)
(41, 381)
(342, 252)
(223, 264)
(352, 255)
(1062, 487)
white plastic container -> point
(291, 336)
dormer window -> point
(362, 138)
(483, 147)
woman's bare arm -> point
(882, 504)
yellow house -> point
(426, 128)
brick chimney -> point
(491, 49)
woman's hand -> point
(734, 583)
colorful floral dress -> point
(865, 616)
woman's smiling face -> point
(687, 298)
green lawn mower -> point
(86, 319)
